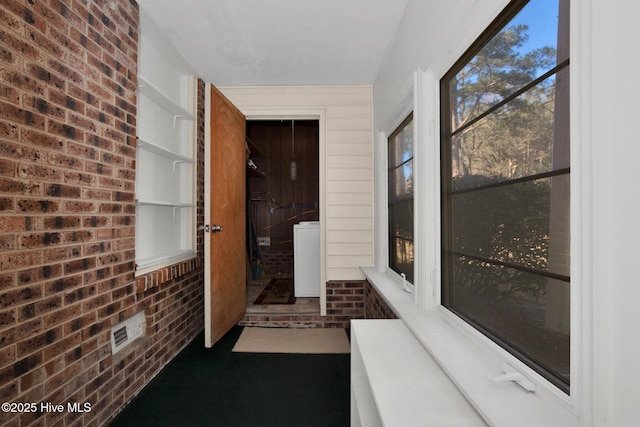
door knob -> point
(213, 228)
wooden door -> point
(225, 252)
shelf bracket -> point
(176, 162)
(175, 119)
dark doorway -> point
(276, 200)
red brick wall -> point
(278, 262)
(354, 299)
(375, 306)
(67, 215)
(345, 301)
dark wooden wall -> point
(275, 203)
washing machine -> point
(306, 259)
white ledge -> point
(396, 383)
(469, 365)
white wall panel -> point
(348, 211)
(349, 162)
(348, 236)
(346, 261)
(349, 112)
(350, 137)
(348, 249)
(349, 150)
(350, 174)
(364, 224)
(355, 187)
(349, 124)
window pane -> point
(401, 145)
(401, 219)
(401, 182)
(521, 52)
(514, 141)
(401, 238)
(401, 260)
(515, 224)
(514, 306)
(400, 195)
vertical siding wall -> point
(67, 216)
(346, 183)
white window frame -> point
(403, 107)
(467, 356)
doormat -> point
(277, 291)
(291, 340)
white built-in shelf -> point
(161, 151)
(163, 100)
(161, 203)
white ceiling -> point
(279, 42)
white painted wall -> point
(610, 107)
(605, 157)
(346, 164)
(431, 36)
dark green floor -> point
(215, 387)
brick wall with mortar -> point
(67, 206)
(375, 306)
(354, 299)
(278, 263)
(345, 301)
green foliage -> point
(512, 227)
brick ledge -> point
(158, 277)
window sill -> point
(468, 365)
(401, 391)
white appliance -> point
(306, 259)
